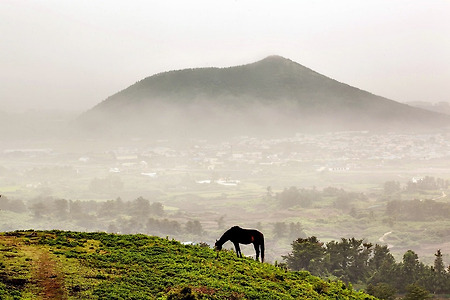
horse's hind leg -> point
(257, 251)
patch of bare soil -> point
(48, 279)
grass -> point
(72, 265)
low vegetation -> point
(73, 265)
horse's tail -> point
(262, 248)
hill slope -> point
(69, 265)
(271, 95)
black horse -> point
(238, 235)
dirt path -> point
(45, 281)
(48, 279)
(440, 197)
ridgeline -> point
(73, 265)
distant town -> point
(333, 152)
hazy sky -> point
(73, 54)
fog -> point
(288, 185)
(192, 170)
(70, 56)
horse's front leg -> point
(238, 249)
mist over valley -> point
(270, 145)
(143, 144)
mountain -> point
(266, 97)
(75, 265)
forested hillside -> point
(269, 97)
(71, 265)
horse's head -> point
(217, 246)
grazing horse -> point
(238, 235)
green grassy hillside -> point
(71, 265)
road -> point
(381, 239)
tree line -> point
(417, 210)
(126, 217)
(294, 196)
(426, 183)
(356, 261)
(137, 216)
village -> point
(333, 152)
(160, 170)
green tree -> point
(108, 209)
(416, 292)
(348, 259)
(382, 291)
(12, 205)
(75, 209)
(337, 260)
(440, 276)
(140, 208)
(194, 227)
(360, 253)
(439, 267)
(279, 230)
(381, 254)
(388, 272)
(410, 269)
(305, 253)
(38, 209)
(382, 266)
(61, 207)
(296, 231)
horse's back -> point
(244, 236)
(252, 236)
